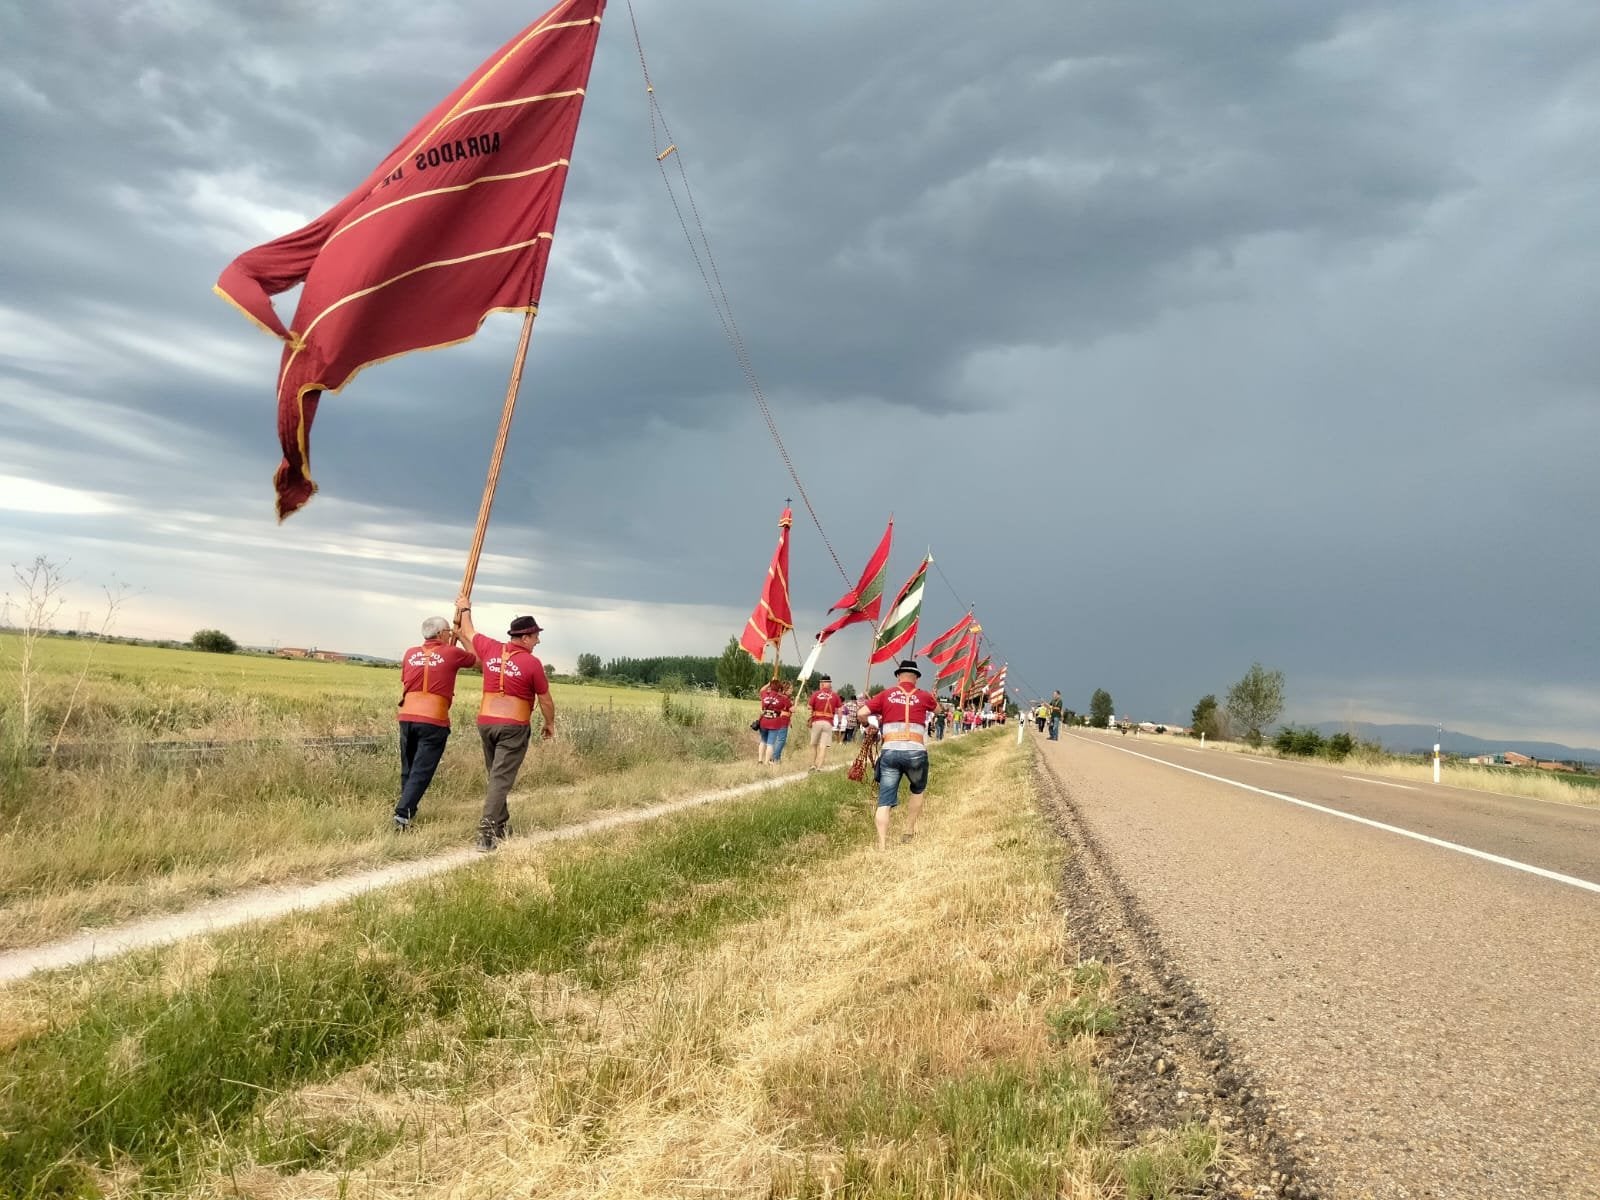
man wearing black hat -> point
(824, 703)
(901, 713)
(513, 681)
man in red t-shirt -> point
(901, 715)
(513, 681)
(427, 685)
(773, 725)
(824, 703)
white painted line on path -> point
(1529, 868)
(1405, 787)
(265, 903)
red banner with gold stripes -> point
(772, 617)
(453, 225)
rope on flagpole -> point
(712, 278)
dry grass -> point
(868, 1039)
(117, 862)
(118, 837)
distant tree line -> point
(693, 670)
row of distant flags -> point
(953, 655)
(456, 223)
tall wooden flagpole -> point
(497, 456)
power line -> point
(712, 278)
(662, 143)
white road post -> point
(1202, 739)
(1436, 762)
(1020, 724)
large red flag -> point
(453, 225)
(864, 602)
(772, 618)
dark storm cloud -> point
(1202, 333)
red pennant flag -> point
(942, 648)
(966, 653)
(772, 618)
(864, 602)
(453, 225)
(977, 680)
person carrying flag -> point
(513, 681)
(427, 684)
(901, 715)
(824, 705)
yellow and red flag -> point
(453, 225)
(772, 618)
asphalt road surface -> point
(1423, 999)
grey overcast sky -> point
(1187, 335)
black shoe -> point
(490, 836)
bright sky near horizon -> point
(1186, 335)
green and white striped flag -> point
(899, 628)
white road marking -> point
(1380, 782)
(1529, 868)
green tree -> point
(1100, 708)
(1206, 718)
(1256, 701)
(214, 641)
(738, 674)
(847, 692)
(589, 666)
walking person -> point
(1041, 715)
(938, 724)
(1055, 716)
(851, 722)
(773, 724)
(825, 705)
(513, 682)
(901, 714)
(427, 686)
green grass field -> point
(143, 690)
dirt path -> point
(260, 904)
(1419, 1022)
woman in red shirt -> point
(776, 709)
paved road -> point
(1429, 1018)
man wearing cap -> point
(824, 704)
(428, 684)
(513, 681)
(901, 715)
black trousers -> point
(421, 747)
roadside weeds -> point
(754, 1002)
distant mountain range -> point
(1407, 739)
